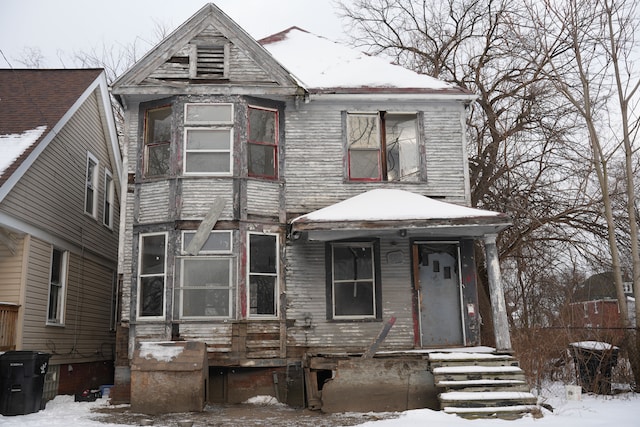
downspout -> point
(496, 291)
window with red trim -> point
(263, 142)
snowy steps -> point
(481, 385)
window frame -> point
(91, 185)
(208, 125)
(374, 244)
(59, 319)
(273, 145)
(383, 147)
(109, 197)
(179, 292)
(151, 144)
(275, 275)
(140, 276)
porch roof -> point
(388, 212)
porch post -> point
(498, 306)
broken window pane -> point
(353, 285)
(157, 141)
(263, 142)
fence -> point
(8, 320)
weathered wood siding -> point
(197, 196)
(85, 336)
(315, 163)
(263, 198)
(306, 297)
(50, 195)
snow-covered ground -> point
(621, 410)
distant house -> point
(594, 307)
(60, 169)
(297, 215)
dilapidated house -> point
(297, 217)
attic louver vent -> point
(210, 62)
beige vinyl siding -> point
(315, 162)
(306, 296)
(85, 335)
(50, 195)
(11, 267)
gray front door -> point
(439, 294)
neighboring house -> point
(60, 169)
(594, 307)
(276, 221)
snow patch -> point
(593, 345)
(161, 351)
(14, 144)
(264, 401)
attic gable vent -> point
(209, 62)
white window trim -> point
(229, 232)
(230, 259)
(108, 197)
(208, 123)
(208, 173)
(139, 276)
(249, 274)
(373, 281)
(64, 272)
(94, 184)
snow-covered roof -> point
(321, 64)
(392, 205)
(13, 145)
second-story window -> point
(157, 142)
(263, 142)
(107, 216)
(91, 186)
(382, 147)
(208, 139)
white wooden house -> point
(286, 199)
(60, 168)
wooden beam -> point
(381, 336)
(207, 224)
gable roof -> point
(323, 66)
(208, 18)
(34, 105)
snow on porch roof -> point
(388, 210)
(393, 205)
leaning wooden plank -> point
(207, 224)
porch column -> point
(498, 305)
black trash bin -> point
(21, 381)
(594, 362)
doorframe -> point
(417, 288)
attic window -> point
(209, 62)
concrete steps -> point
(481, 385)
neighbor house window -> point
(152, 274)
(107, 216)
(263, 275)
(382, 147)
(353, 281)
(263, 142)
(157, 142)
(208, 139)
(206, 280)
(57, 286)
(91, 186)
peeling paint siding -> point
(243, 68)
(306, 296)
(316, 158)
(199, 194)
(153, 331)
(263, 198)
(153, 198)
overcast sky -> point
(61, 27)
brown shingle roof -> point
(30, 98)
